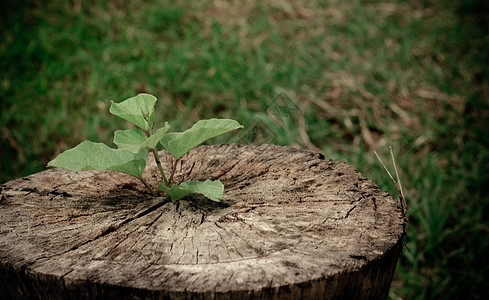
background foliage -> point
(411, 74)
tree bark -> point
(292, 225)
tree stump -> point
(292, 225)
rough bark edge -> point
(362, 283)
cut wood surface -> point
(292, 225)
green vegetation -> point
(134, 144)
(356, 74)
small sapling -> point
(135, 144)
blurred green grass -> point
(411, 74)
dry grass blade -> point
(402, 200)
(401, 193)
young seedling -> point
(134, 145)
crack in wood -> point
(223, 241)
(227, 170)
(257, 251)
(2, 195)
(30, 190)
(349, 211)
(375, 203)
(118, 244)
(362, 257)
(112, 228)
(62, 194)
(154, 221)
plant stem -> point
(173, 171)
(158, 162)
(155, 154)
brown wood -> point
(292, 225)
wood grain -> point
(292, 225)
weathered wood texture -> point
(292, 225)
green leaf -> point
(213, 190)
(175, 192)
(134, 140)
(138, 110)
(98, 156)
(155, 138)
(178, 143)
(129, 140)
